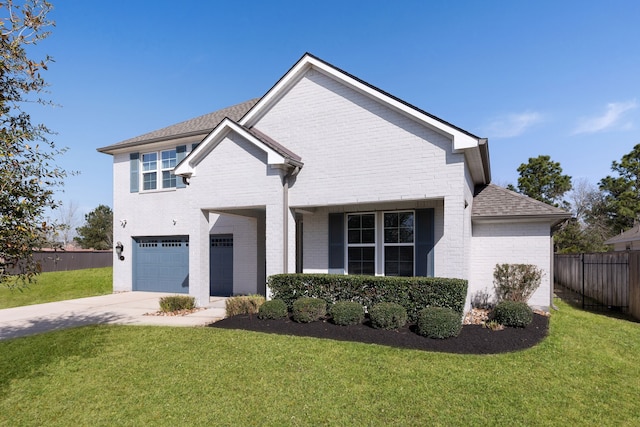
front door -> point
(221, 265)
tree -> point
(621, 203)
(28, 174)
(67, 222)
(588, 230)
(97, 233)
(542, 179)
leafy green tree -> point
(542, 179)
(28, 174)
(97, 233)
(621, 203)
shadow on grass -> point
(23, 356)
(574, 299)
(47, 323)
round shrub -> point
(347, 313)
(273, 309)
(388, 315)
(437, 322)
(308, 309)
(513, 313)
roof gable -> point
(491, 203)
(461, 138)
(276, 153)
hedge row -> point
(413, 293)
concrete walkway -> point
(126, 308)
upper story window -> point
(152, 169)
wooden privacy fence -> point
(605, 280)
(73, 260)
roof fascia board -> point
(461, 140)
(187, 166)
(185, 138)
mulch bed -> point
(474, 339)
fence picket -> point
(610, 279)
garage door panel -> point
(161, 264)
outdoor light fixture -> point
(119, 249)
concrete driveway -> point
(126, 308)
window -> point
(152, 168)
(361, 243)
(381, 243)
(398, 243)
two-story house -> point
(325, 173)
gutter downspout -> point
(285, 224)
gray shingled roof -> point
(200, 125)
(494, 202)
(628, 236)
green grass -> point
(59, 286)
(585, 373)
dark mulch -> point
(474, 339)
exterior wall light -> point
(119, 249)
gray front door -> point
(221, 265)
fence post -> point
(582, 262)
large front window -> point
(381, 243)
(152, 169)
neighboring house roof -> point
(631, 235)
(201, 125)
(491, 202)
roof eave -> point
(116, 148)
(553, 219)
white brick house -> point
(324, 173)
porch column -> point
(274, 243)
(455, 262)
(199, 257)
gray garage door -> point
(161, 264)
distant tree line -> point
(599, 211)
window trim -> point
(159, 170)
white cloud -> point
(612, 118)
(511, 125)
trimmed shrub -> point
(273, 309)
(177, 302)
(413, 293)
(438, 322)
(347, 313)
(308, 309)
(516, 282)
(245, 304)
(513, 313)
(388, 315)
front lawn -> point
(59, 286)
(585, 373)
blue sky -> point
(543, 77)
